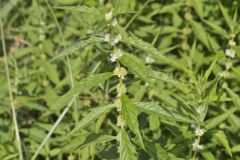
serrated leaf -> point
(234, 96)
(130, 115)
(77, 46)
(222, 138)
(208, 155)
(170, 8)
(148, 75)
(79, 8)
(200, 33)
(51, 72)
(126, 148)
(198, 6)
(81, 86)
(226, 15)
(168, 114)
(209, 70)
(90, 139)
(236, 148)
(211, 123)
(217, 29)
(90, 117)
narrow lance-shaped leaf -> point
(90, 117)
(226, 16)
(148, 75)
(130, 115)
(76, 46)
(200, 32)
(81, 86)
(164, 113)
(198, 6)
(208, 155)
(222, 138)
(217, 29)
(157, 55)
(82, 9)
(51, 72)
(126, 148)
(211, 123)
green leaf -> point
(198, 6)
(77, 46)
(164, 113)
(226, 15)
(126, 148)
(170, 8)
(130, 115)
(236, 148)
(222, 138)
(140, 44)
(211, 123)
(208, 156)
(200, 33)
(154, 53)
(135, 65)
(81, 9)
(51, 72)
(90, 117)
(217, 29)
(89, 139)
(81, 86)
(234, 96)
(203, 111)
(209, 71)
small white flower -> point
(116, 40)
(199, 109)
(149, 60)
(114, 22)
(190, 80)
(232, 43)
(193, 125)
(196, 146)
(120, 121)
(107, 38)
(121, 89)
(200, 147)
(115, 55)
(120, 72)
(199, 131)
(108, 16)
(113, 58)
(228, 65)
(230, 53)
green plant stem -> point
(72, 85)
(18, 139)
(135, 16)
(52, 129)
(68, 60)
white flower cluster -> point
(199, 132)
(197, 146)
(115, 55)
(230, 52)
(110, 18)
(119, 71)
(149, 60)
(112, 39)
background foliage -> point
(182, 59)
